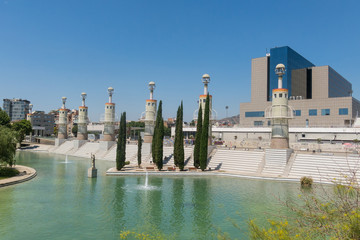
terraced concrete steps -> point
(325, 167)
(236, 160)
(275, 161)
(64, 148)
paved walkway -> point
(22, 177)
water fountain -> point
(146, 186)
(66, 160)
(146, 180)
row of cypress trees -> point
(202, 137)
(121, 144)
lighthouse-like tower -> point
(82, 120)
(109, 121)
(202, 102)
(279, 113)
(29, 115)
(150, 115)
(63, 112)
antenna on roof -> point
(267, 53)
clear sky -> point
(50, 49)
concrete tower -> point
(279, 113)
(202, 102)
(109, 121)
(82, 120)
(63, 112)
(150, 115)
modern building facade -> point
(43, 124)
(16, 108)
(320, 96)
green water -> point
(62, 203)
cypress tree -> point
(121, 144)
(157, 124)
(177, 137)
(118, 164)
(198, 139)
(181, 154)
(205, 136)
(123, 150)
(159, 145)
(156, 132)
(139, 149)
(153, 142)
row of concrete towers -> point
(109, 119)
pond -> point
(63, 203)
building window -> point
(274, 95)
(280, 95)
(258, 123)
(255, 114)
(269, 123)
(312, 112)
(343, 111)
(297, 112)
(325, 112)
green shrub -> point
(8, 172)
(306, 181)
(127, 162)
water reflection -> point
(155, 202)
(202, 211)
(119, 203)
(62, 201)
(178, 201)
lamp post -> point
(150, 114)
(62, 132)
(279, 113)
(83, 119)
(109, 128)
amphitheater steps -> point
(236, 160)
(64, 148)
(275, 161)
(324, 167)
(86, 150)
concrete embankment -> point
(26, 173)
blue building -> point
(319, 95)
(291, 59)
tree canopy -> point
(7, 145)
(22, 128)
(4, 118)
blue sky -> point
(50, 49)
